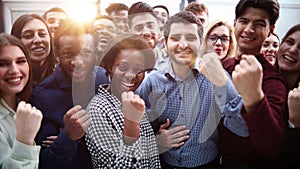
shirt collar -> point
(171, 75)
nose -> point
(12, 68)
(294, 48)
(146, 31)
(36, 38)
(249, 27)
(218, 42)
(77, 60)
(182, 43)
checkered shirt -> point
(196, 103)
(105, 137)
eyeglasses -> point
(214, 39)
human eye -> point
(22, 61)
(43, 34)
(3, 63)
(86, 53)
(67, 55)
(289, 42)
(27, 35)
(225, 38)
(265, 44)
(151, 25)
(213, 38)
(191, 37)
(243, 21)
(175, 37)
(51, 20)
(122, 67)
(138, 28)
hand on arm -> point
(48, 141)
(133, 108)
(247, 79)
(213, 70)
(294, 106)
(76, 122)
(171, 138)
(28, 121)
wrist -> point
(131, 128)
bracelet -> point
(291, 125)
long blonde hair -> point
(232, 42)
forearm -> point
(131, 131)
(230, 104)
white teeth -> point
(289, 58)
(184, 52)
(247, 38)
(127, 84)
(14, 80)
(38, 49)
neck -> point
(10, 101)
(181, 70)
(240, 52)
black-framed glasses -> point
(214, 38)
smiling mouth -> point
(127, 84)
(289, 58)
(14, 80)
(248, 38)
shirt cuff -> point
(24, 151)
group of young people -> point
(208, 97)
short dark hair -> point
(6, 40)
(115, 7)
(127, 41)
(139, 8)
(163, 7)
(270, 6)
(185, 17)
(71, 27)
(196, 7)
(54, 9)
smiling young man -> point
(73, 83)
(184, 104)
(143, 21)
(261, 87)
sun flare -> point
(82, 10)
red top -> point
(267, 124)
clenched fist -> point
(28, 121)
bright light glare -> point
(82, 10)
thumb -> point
(165, 125)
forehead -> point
(57, 15)
(160, 10)
(11, 51)
(143, 19)
(34, 24)
(105, 22)
(295, 36)
(84, 40)
(255, 14)
(183, 28)
(220, 29)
